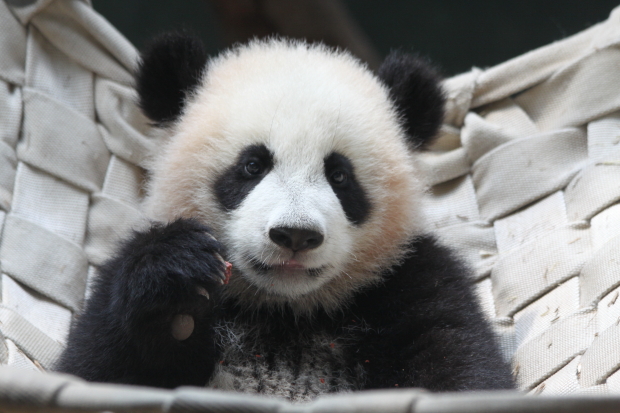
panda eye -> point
(338, 178)
(254, 168)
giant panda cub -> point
(296, 164)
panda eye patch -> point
(235, 183)
(340, 174)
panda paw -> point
(168, 273)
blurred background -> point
(455, 34)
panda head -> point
(299, 158)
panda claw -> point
(210, 236)
(219, 257)
(202, 291)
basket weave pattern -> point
(70, 142)
(525, 181)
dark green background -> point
(456, 34)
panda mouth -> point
(287, 267)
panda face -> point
(292, 197)
(291, 221)
(295, 156)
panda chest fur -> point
(295, 363)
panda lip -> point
(287, 266)
(291, 265)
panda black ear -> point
(417, 94)
(169, 69)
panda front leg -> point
(424, 327)
(149, 318)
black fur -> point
(235, 183)
(170, 69)
(415, 88)
(351, 195)
(426, 329)
(421, 328)
(124, 334)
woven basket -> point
(525, 182)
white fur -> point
(320, 369)
(296, 200)
(303, 102)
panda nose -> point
(296, 239)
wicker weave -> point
(30, 392)
(71, 140)
(527, 183)
(525, 180)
